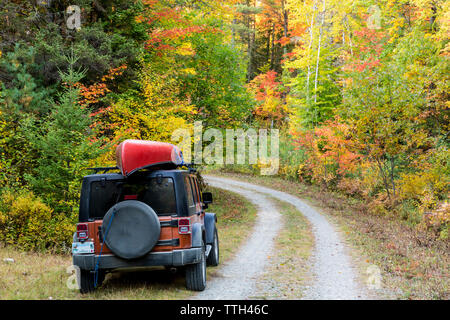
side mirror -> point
(207, 197)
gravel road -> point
(334, 276)
(238, 277)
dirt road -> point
(334, 275)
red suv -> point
(152, 213)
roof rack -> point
(103, 169)
(189, 166)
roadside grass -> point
(288, 270)
(44, 275)
(33, 275)
(413, 264)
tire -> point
(133, 229)
(196, 274)
(213, 258)
(87, 280)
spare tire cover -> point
(134, 230)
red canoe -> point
(135, 155)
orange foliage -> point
(265, 85)
(268, 92)
(91, 94)
(159, 38)
(330, 151)
(370, 45)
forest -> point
(358, 89)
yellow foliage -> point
(292, 171)
(438, 220)
(370, 177)
(185, 49)
(424, 187)
(189, 71)
(28, 223)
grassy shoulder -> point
(45, 275)
(288, 270)
(413, 265)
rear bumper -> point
(174, 258)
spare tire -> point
(134, 230)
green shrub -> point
(26, 222)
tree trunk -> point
(250, 42)
(272, 58)
(433, 17)
(285, 23)
(311, 34)
(393, 176)
(384, 177)
(318, 61)
(347, 27)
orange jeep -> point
(150, 214)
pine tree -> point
(64, 143)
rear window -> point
(157, 193)
(187, 185)
(195, 189)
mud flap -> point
(210, 226)
(197, 235)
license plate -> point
(80, 248)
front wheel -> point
(213, 258)
(196, 274)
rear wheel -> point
(213, 258)
(87, 280)
(196, 274)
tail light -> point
(82, 231)
(184, 226)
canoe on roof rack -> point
(135, 155)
